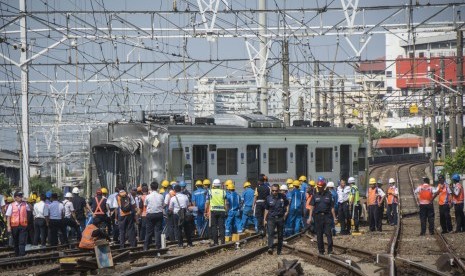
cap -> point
(75, 190)
(284, 187)
(20, 194)
(351, 180)
(68, 194)
(330, 184)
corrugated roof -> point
(413, 142)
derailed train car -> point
(225, 146)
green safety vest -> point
(217, 200)
(354, 193)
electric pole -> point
(286, 94)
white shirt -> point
(381, 193)
(69, 208)
(182, 202)
(2, 201)
(154, 203)
(343, 194)
(41, 210)
(56, 210)
(9, 210)
(111, 201)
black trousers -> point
(19, 235)
(379, 221)
(126, 226)
(356, 215)
(142, 228)
(56, 226)
(187, 227)
(373, 217)
(392, 213)
(153, 226)
(323, 226)
(344, 217)
(427, 213)
(40, 231)
(72, 223)
(170, 223)
(459, 218)
(114, 227)
(444, 218)
(260, 214)
(275, 224)
(217, 226)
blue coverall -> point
(295, 211)
(233, 222)
(198, 198)
(303, 192)
(247, 211)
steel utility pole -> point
(433, 121)
(286, 94)
(342, 122)
(331, 100)
(423, 124)
(262, 26)
(317, 92)
(459, 88)
(443, 111)
(24, 99)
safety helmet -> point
(68, 194)
(31, 199)
(206, 182)
(302, 178)
(379, 181)
(216, 182)
(75, 190)
(283, 187)
(38, 199)
(296, 183)
(330, 184)
(289, 181)
(392, 180)
(291, 186)
(173, 183)
(312, 183)
(198, 183)
(372, 181)
(104, 190)
(182, 183)
(9, 199)
(165, 183)
(227, 183)
(231, 186)
(456, 177)
(48, 194)
(320, 183)
(351, 180)
(321, 178)
(247, 184)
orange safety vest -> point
(425, 196)
(307, 201)
(18, 215)
(98, 208)
(87, 241)
(121, 213)
(443, 198)
(372, 196)
(391, 198)
(144, 208)
(457, 199)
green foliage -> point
(455, 164)
(42, 184)
(4, 186)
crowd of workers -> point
(215, 210)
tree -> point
(42, 185)
(456, 163)
(4, 186)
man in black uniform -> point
(259, 202)
(276, 210)
(321, 210)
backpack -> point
(125, 204)
(183, 214)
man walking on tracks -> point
(354, 203)
(322, 209)
(261, 193)
(425, 198)
(374, 198)
(392, 202)
(343, 192)
(276, 210)
(217, 204)
(444, 201)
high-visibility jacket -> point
(425, 194)
(144, 208)
(458, 189)
(354, 196)
(373, 198)
(444, 195)
(99, 208)
(392, 198)
(217, 199)
(87, 241)
(18, 215)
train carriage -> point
(224, 146)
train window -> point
(226, 161)
(278, 160)
(324, 159)
(176, 162)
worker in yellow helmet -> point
(199, 197)
(233, 215)
(294, 222)
(247, 208)
(289, 182)
(164, 184)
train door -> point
(345, 161)
(200, 161)
(253, 163)
(301, 160)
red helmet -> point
(321, 183)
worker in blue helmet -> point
(48, 196)
(457, 201)
(184, 190)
